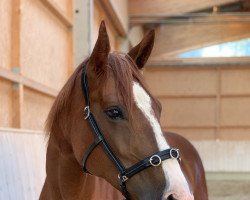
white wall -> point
(22, 164)
(224, 156)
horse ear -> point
(141, 52)
(99, 55)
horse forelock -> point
(124, 71)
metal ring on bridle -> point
(86, 112)
(176, 151)
(157, 163)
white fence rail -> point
(22, 164)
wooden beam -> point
(172, 7)
(206, 133)
(70, 33)
(17, 88)
(70, 10)
(174, 39)
(17, 104)
(201, 96)
(82, 30)
(15, 34)
(187, 18)
(218, 104)
(201, 62)
(66, 20)
(135, 35)
(18, 78)
(113, 16)
(20, 131)
(71, 65)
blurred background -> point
(199, 70)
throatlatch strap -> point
(88, 152)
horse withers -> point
(106, 122)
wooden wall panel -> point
(5, 103)
(181, 82)
(203, 102)
(35, 110)
(5, 30)
(235, 81)
(235, 111)
(194, 133)
(36, 47)
(100, 15)
(194, 112)
(234, 133)
(44, 45)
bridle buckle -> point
(152, 159)
(122, 178)
(86, 112)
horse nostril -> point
(170, 197)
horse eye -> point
(114, 113)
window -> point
(237, 48)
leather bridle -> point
(124, 173)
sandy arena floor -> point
(229, 190)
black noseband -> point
(124, 173)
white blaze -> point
(175, 176)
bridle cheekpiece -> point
(124, 173)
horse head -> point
(128, 117)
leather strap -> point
(124, 174)
(88, 152)
(150, 161)
(99, 136)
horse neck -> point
(64, 175)
(65, 179)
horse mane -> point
(62, 100)
(124, 71)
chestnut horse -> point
(121, 115)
